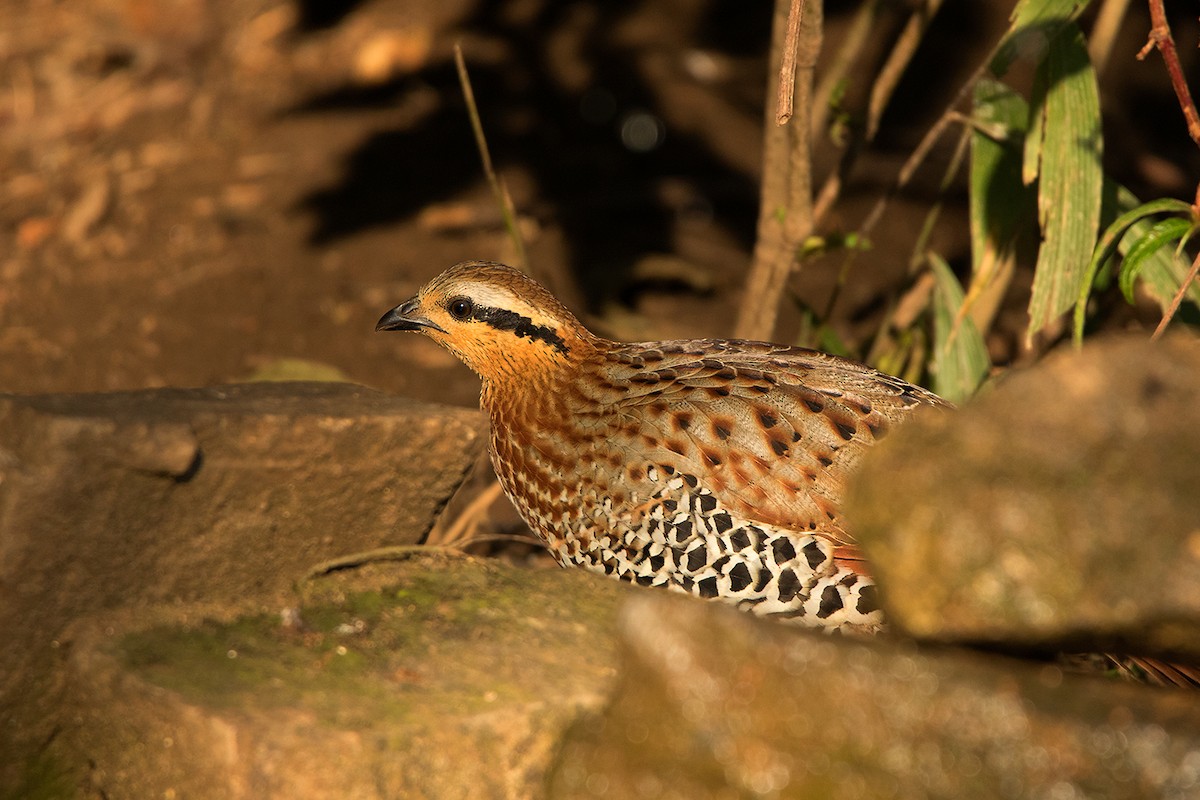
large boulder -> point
(221, 495)
(436, 677)
(712, 704)
(1060, 510)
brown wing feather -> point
(772, 431)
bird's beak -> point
(404, 317)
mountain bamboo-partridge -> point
(709, 466)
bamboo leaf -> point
(1034, 24)
(1114, 235)
(998, 201)
(1166, 270)
(1000, 207)
(1171, 229)
(1031, 163)
(1070, 177)
(1163, 272)
(960, 359)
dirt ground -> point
(193, 190)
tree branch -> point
(785, 215)
(1178, 299)
(787, 64)
(1160, 37)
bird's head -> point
(495, 319)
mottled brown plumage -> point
(710, 466)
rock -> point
(212, 494)
(456, 681)
(1060, 511)
(222, 495)
(712, 703)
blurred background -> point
(203, 191)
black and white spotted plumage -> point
(713, 467)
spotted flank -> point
(713, 467)
(682, 540)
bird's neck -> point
(529, 373)
(522, 394)
(534, 407)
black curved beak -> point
(404, 317)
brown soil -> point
(193, 190)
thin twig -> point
(834, 73)
(398, 552)
(403, 552)
(881, 94)
(1178, 299)
(919, 254)
(499, 190)
(898, 60)
(882, 90)
(926, 144)
(517, 538)
(787, 64)
(898, 334)
(830, 190)
(1160, 37)
(468, 520)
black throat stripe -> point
(503, 320)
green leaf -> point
(1163, 274)
(1160, 270)
(1171, 229)
(1114, 234)
(829, 341)
(1031, 162)
(1034, 24)
(960, 359)
(1070, 176)
(998, 200)
(1001, 208)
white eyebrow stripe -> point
(501, 299)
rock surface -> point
(454, 681)
(714, 704)
(1061, 510)
(229, 494)
(162, 640)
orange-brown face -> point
(493, 318)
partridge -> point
(709, 466)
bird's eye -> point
(460, 308)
